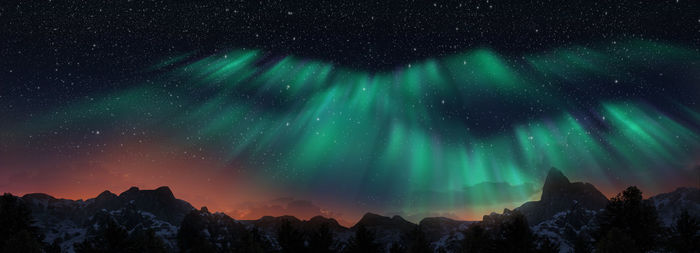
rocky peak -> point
(432, 221)
(555, 183)
(38, 201)
(165, 192)
(106, 200)
(41, 196)
(161, 194)
(160, 202)
(317, 221)
(398, 219)
(105, 195)
(371, 219)
(394, 223)
(559, 195)
(319, 218)
(130, 192)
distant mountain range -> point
(564, 211)
(72, 220)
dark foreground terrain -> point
(569, 217)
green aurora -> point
(473, 131)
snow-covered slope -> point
(68, 222)
(566, 211)
(670, 205)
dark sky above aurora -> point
(419, 108)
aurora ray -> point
(466, 133)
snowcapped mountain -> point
(67, 222)
(560, 195)
(444, 233)
(269, 225)
(566, 212)
(565, 209)
(669, 205)
(387, 230)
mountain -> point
(271, 224)
(72, 221)
(315, 222)
(440, 231)
(375, 221)
(669, 205)
(161, 202)
(387, 230)
(444, 233)
(566, 211)
(560, 195)
(217, 232)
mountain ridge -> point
(370, 218)
(559, 194)
(565, 208)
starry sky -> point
(418, 108)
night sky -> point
(419, 108)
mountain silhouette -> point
(441, 228)
(559, 195)
(565, 210)
(371, 220)
(669, 205)
(133, 209)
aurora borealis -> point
(457, 134)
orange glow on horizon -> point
(191, 177)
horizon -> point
(414, 108)
(345, 222)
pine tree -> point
(582, 244)
(16, 231)
(363, 241)
(547, 246)
(629, 214)
(321, 240)
(111, 238)
(396, 248)
(147, 241)
(417, 242)
(514, 234)
(190, 237)
(476, 239)
(253, 242)
(616, 241)
(685, 234)
(54, 247)
(22, 241)
(289, 238)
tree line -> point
(627, 224)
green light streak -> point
(402, 133)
